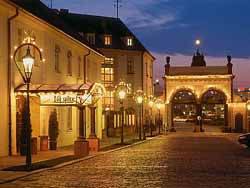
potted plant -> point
(53, 130)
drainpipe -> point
(85, 66)
(142, 88)
(9, 77)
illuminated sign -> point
(65, 99)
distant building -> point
(203, 93)
(126, 59)
(243, 93)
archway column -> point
(171, 116)
(81, 145)
(226, 117)
(94, 142)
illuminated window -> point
(20, 39)
(57, 58)
(146, 65)
(69, 63)
(129, 41)
(79, 66)
(130, 66)
(133, 119)
(151, 70)
(115, 121)
(69, 119)
(107, 40)
(107, 77)
(91, 38)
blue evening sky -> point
(171, 26)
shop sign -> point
(56, 99)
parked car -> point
(244, 139)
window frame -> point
(69, 63)
(57, 59)
(90, 36)
(130, 41)
(130, 65)
(108, 42)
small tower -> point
(198, 58)
(167, 65)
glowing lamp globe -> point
(28, 62)
(158, 105)
(139, 99)
(151, 103)
(248, 106)
(122, 94)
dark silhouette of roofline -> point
(50, 16)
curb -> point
(77, 160)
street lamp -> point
(159, 105)
(25, 70)
(151, 101)
(139, 97)
(122, 89)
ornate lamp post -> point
(151, 101)
(139, 97)
(122, 90)
(159, 105)
(25, 69)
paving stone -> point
(173, 161)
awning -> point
(65, 94)
(55, 88)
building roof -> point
(198, 70)
(40, 10)
(101, 26)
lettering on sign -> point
(65, 99)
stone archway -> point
(214, 110)
(183, 110)
(198, 78)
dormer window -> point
(129, 41)
(107, 40)
(91, 38)
(81, 33)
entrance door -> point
(239, 123)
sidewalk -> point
(105, 144)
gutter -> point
(85, 66)
(9, 78)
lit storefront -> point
(66, 100)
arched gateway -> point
(198, 90)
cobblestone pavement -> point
(175, 161)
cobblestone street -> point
(178, 160)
